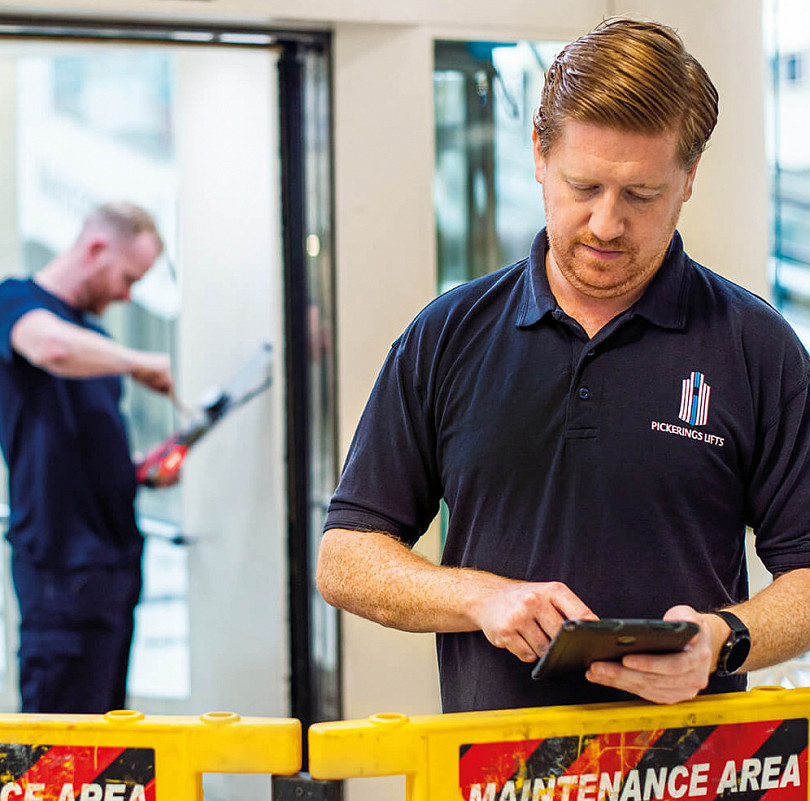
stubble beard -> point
(609, 280)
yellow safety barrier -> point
(127, 756)
(740, 746)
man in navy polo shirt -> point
(603, 419)
(75, 547)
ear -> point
(539, 161)
(94, 247)
(690, 180)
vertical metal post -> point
(293, 183)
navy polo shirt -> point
(626, 466)
(71, 480)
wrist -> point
(735, 648)
(719, 632)
(483, 591)
(129, 360)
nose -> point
(607, 221)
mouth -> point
(602, 253)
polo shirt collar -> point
(537, 298)
(663, 304)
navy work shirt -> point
(626, 466)
(71, 480)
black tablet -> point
(580, 642)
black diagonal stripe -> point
(555, 755)
(674, 747)
(789, 737)
(132, 766)
(16, 759)
(462, 749)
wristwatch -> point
(735, 649)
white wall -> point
(234, 487)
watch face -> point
(738, 652)
(735, 649)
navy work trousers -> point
(75, 636)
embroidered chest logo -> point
(695, 394)
(694, 411)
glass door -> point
(195, 133)
(89, 124)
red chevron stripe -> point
(62, 764)
(492, 762)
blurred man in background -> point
(75, 546)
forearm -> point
(68, 350)
(373, 575)
(778, 619)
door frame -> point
(308, 700)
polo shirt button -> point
(584, 393)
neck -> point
(594, 314)
(60, 279)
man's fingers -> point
(663, 664)
(662, 678)
(562, 604)
(567, 602)
(527, 648)
(536, 639)
(527, 643)
(522, 650)
(524, 616)
(653, 687)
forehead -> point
(588, 150)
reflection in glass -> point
(488, 205)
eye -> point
(584, 189)
(640, 197)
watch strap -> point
(734, 623)
(734, 650)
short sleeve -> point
(390, 480)
(779, 489)
(14, 303)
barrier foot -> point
(302, 787)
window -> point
(787, 27)
(487, 202)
